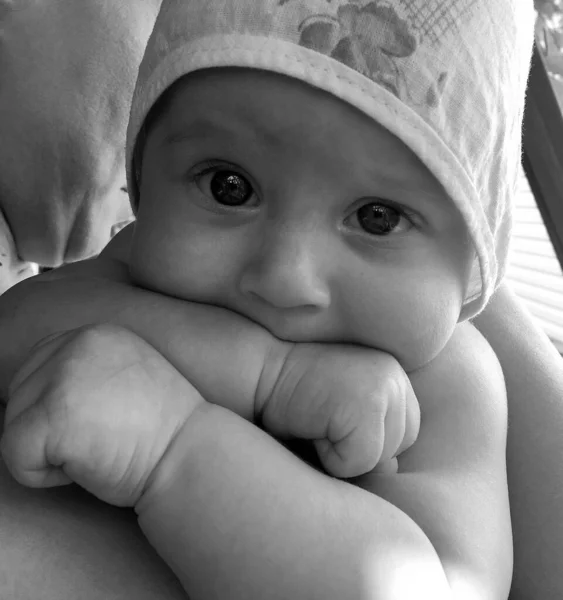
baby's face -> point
(263, 195)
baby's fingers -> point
(368, 431)
(402, 420)
(27, 431)
(356, 453)
(24, 448)
(356, 405)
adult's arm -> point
(533, 370)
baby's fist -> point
(97, 406)
(356, 404)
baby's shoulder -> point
(468, 351)
(463, 406)
(466, 374)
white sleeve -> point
(12, 268)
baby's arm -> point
(356, 404)
(219, 351)
(237, 516)
(439, 528)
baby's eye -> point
(230, 188)
(226, 187)
(381, 219)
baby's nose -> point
(287, 272)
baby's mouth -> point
(298, 325)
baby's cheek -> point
(173, 270)
(412, 327)
(155, 260)
(427, 333)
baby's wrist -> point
(275, 357)
(180, 460)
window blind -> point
(534, 272)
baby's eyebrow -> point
(396, 180)
(214, 123)
(198, 128)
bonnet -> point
(447, 77)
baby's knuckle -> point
(396, 389)
(59, 398)
(390, 368)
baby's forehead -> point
(240, 100)
(270, 107)
(258, 117)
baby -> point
(332, 172)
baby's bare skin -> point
(121, 422)
(332, 395)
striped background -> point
(534, 271)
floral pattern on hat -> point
(371, 38)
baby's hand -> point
(356, 404)
(97, 406)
